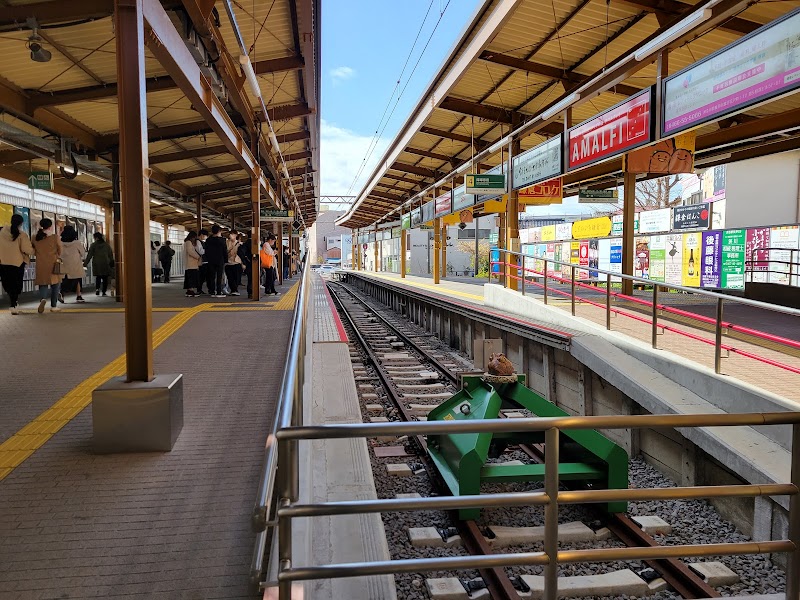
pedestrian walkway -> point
(141, 525)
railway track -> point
(386, 348)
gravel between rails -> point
(694, 521)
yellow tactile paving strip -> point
(16, 449)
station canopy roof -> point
(66, 108)
(516, 58)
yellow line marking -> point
(288, 299)
(436, 288)
(35, 434)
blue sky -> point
(364, 47)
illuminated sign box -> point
(760, 66)
(540, 163)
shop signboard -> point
(591, 228)
(461, 199)
(732, 264)
(693, 216)
(655, 221)
(443, 205)
(584, 259)
(594, 258)
(563, 231)
(616, 224)
(405, 221)
(548, 233)
(756, 257)
(485, 183)
(539, 163)
(658, 255)
(711, 267)
(428, 211)
(673, 261)
(782, 241)
(615, 257)
(641, 258)
(416, 217)
(760, 66)
(589, 196)
(545, 193)
(691, 259)
(621, 128)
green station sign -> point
(40, 180)
(485, 184)
(587, 195)
(271, 214)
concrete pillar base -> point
(140, 416)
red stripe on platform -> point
(340, 328)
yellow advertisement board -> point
(590, 228)
(495, 206)
(548, 233)
(6, 212)
(690, 274)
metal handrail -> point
(288, 413)
(550, 498)
(508, 267)
(793, 273)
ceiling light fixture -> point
(38, 54)
(673, 33)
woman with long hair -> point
(193, 250)
(15, 252)
(48, 264)
(102, 257)
(72, 253)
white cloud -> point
(340, 74)
(342, 152)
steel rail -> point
(497, 581)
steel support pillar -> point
(255, 237)
(199, 208)
(437, 247)
(444, 249)
(403, 236)
(277, 229)
(134, 188)
(376, 265)
(628, 216)
(512, 223)
(113, 229)
(501, 243)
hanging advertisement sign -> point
(760, 66)
(547, 192)
(485, 183)
(563, 231)
(427, 211)
(540, 163)
(720, 175)
(616, 224)
(25, 212)
(615, 258)
(497, 170)
(711, 269)
(782, 241)
(583, 273)
(6, 212)
(655, 221)
(673, 261)
(589, 196)
(594, 259)
(405, 221)
(592, 228)
(461, 199)
(641, 257)
(623, 127)
(443, 204)
(756, 257)
(658, 255)
(691, 259)
(416, 217)
(548, 233)
(694, 216)
(670, 156)
(732, 264)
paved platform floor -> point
(158, 525)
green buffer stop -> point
(586, 455)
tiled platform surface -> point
(172, 525)
(327, 327)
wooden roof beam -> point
(495, 114)
(674, 8)
(423, 172)
(181, 175)
(216, 187)
(297, 156)
(434, 155)
(9, 157)
(54, 11)
(296, 136)
(188, 154)
(404, 179)
(449, 135)
(289, 111)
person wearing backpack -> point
(165, 255)
(15, 252)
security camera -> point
(462, 225)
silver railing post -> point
(793, 570)
(551, 459)
(285, 474)
(545, 281)
(654, 335)
(572, 269)
(608, 301)
(718, 339)
(523, 274)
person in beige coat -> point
(193, 250)
(15, 253)
(48, 254)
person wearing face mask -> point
(233, 264)
(48, 265)
(15, 252)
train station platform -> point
(756, 361)
(158, 525)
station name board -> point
(539, 163)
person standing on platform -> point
(193, 251)
(286, 262)
(48, 264)
(294, 263)
(15, 252)
(155, 267)
(72, 253)
(216, 255)
(268, 262)
(233, 264)
(201, 240)
(102, 258)
(165, 255)
(246, 256)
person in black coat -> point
(165, 255)
(202, 237)
(216, 255)
(245, 252)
